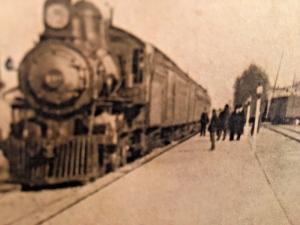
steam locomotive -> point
(94, 97)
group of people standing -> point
(221, 123)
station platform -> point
(190, 185)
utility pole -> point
(294, 93)
(278, 72)
(275, 84)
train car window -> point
(137, 65)
(135, 61)
(122, 63)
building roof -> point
(287, 90)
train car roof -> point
(143, 43)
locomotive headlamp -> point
(57, 16)
(53, 79)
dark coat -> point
(204, 120)
(241, 120)
(224, 119)
(233, 122)
(237, 122)
(213, 126)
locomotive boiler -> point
(93, 97)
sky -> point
(212, 40)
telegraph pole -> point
(278, 72)
(294, 93)
(275, 84)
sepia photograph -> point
(153, 112)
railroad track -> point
(285, 131)
(61, 200)
(290, 129)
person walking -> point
(223, 123)
(240, 120)
(204, 120)
(233, 124)
(212, 128)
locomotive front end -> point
(56, 79)
(64, 80)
